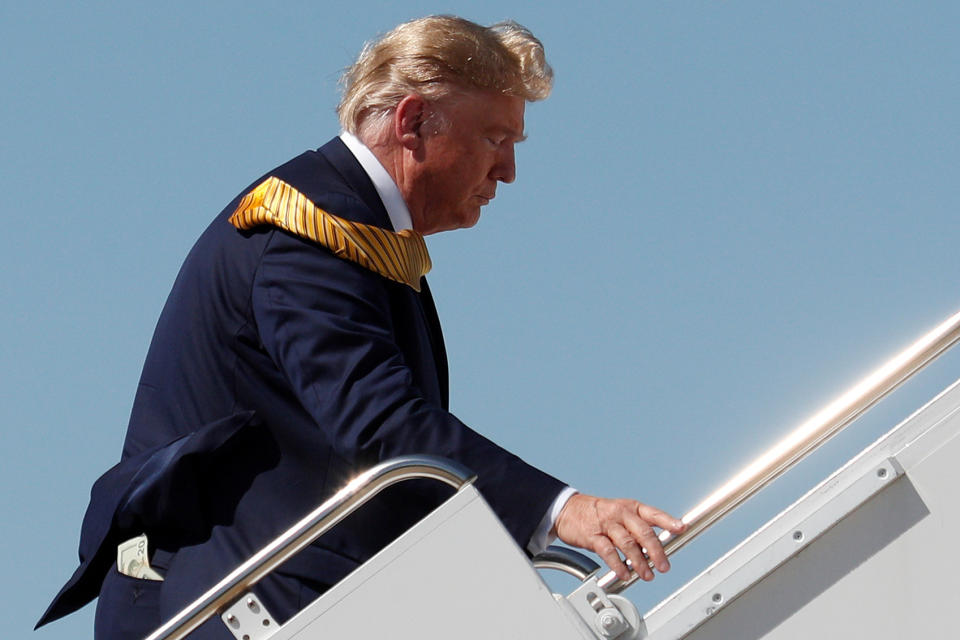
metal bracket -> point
(248, 619)
(608, 616)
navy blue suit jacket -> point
(276, 372)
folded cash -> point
(133, 559)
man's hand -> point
(604, 525)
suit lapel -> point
(357, 179)
(436, 342)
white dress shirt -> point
(386, 188)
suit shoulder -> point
(330, 186)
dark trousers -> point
(129, 608)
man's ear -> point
(408, 118)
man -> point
(300, 345)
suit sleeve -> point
(327, 325)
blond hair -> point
(433, 57)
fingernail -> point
(664, 566)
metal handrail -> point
(803, 440)
(357, 492)
(570, 561)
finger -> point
(604, 547)
(661, 519)
(628, 544)
(641, 530)
(653, 553)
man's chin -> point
(465, 220)
(468, 218)
(471, 221)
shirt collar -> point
(386, 188)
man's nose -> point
(505, 170)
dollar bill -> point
(133, 559)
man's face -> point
(456, 170)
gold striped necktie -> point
(401, 257)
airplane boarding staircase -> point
(869, 552)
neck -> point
(394, 159)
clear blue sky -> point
(725, 214)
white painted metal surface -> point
(870, 552)
(456, 574)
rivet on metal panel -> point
(882, 472)
(717, 597)
(798, 536)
